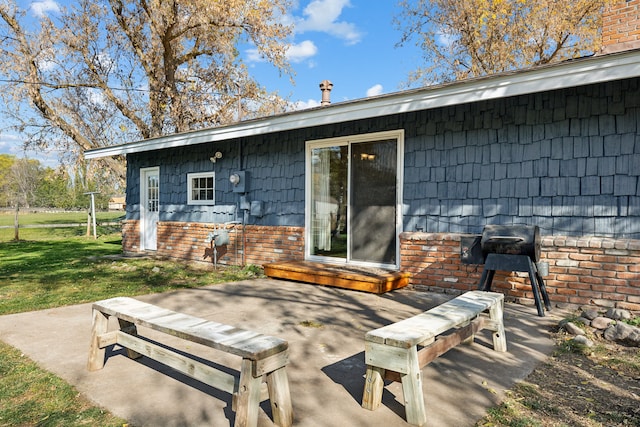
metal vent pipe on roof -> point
(325, 87)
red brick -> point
(605, 258)
(567, 278)
(628, 306)
(591, 280)
(579, 300)
(580, 257)
(614, 282)
(603, 273)
(578, 285)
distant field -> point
(53, 218)
(29, 218)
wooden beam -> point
(441, 345)
(192, 368)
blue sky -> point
(349, 42)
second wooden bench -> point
(399, 351)
(263, 357)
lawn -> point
(80, 217)
(29, 219)
(39, 274)
(57, 267)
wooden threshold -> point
(372, 280)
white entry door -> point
(149, 204)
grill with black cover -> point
(513, 248)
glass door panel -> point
(329, 201)
(373, 202)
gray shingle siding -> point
(567, 160)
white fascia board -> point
(578, 72)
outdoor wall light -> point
(215, 157)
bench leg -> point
(373, 388)
(99, 327)
(412, 390)
(248, 396)
(499, 336)
(131, 329)
(280, 397)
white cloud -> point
(301, 51)
(322, 16)
(445, 39)
(40, 8)
(7, 143)
(303, 105)
(96, 97)
(253, 55)
(374, 90)
(296, 53)
(14, 145)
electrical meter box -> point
(239, 181)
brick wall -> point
(596, 270)
(267, 244)
(187, 241)
(130, 235)
(590, 270)
(621, 26)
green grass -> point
(53, 273)
(58, 267)
(30, 396)
(31, 218)
(42, 218)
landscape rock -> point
(618, 314)
(623, 333)
(609, 324)
(584, 321)
(573, 329)
(590, 313)
(604, 303)
(601, 322)
(581, 339)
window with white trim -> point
(201, 188)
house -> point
(396, 181)
(117, 203)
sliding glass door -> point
(353, 199)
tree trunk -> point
(16, 225)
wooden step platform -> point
(373, 280)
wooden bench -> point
(399, 351)
(263, 357)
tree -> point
(20, 186)
(471, 38)
(54, 190)
(112, 71)
(6, 161)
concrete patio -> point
(325, 328)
